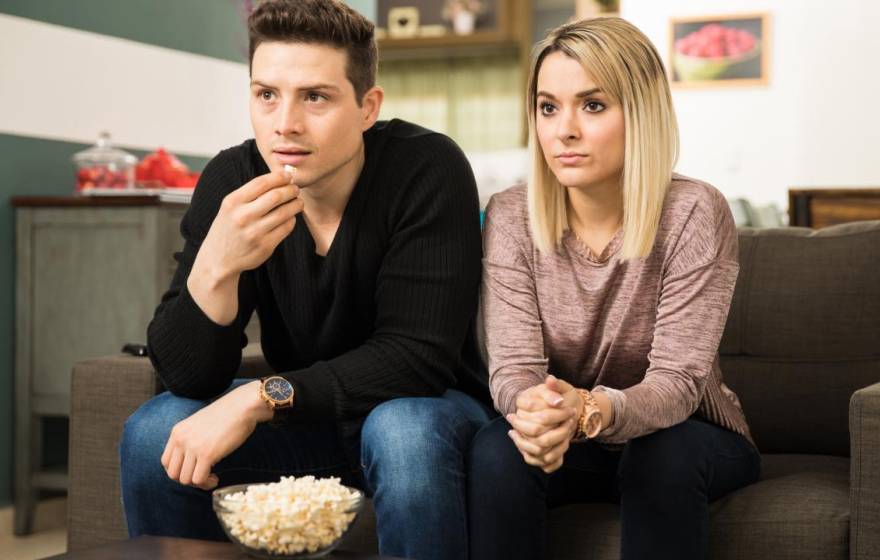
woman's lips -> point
(294, 159)
(570, 159)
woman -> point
(607, 283)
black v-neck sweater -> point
(389, 312)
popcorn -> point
(291, 516)
(289, 170)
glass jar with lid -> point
(103, 169)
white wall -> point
(61, 83)
(817, 123)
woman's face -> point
(580, 128)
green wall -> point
(209, 27)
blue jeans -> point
(663, 481)
(414, 463)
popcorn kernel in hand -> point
(290, 171)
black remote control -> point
(135, 349)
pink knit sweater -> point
(646, 332)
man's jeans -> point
(414, 462)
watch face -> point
(594, 424)
(279, 389)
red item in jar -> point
(100, 176)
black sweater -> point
(389, 312)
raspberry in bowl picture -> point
(719, 50)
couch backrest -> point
(804, 333)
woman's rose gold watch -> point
(590, 422)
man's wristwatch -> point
(278, 393)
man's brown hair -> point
(327, 22)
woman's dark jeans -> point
(664, 483)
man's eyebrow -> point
(585, 93)
(307, 87)
(310, 87)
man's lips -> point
(290, 157)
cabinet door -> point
(89, 288)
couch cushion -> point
(798, 407)
(799, 509)
(797, 286)
(804, 324)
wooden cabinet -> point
(818, 208)
(90, 272)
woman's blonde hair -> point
(624, 63)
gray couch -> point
(801, 348)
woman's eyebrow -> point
(585, 93)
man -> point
(362, 261)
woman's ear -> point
(371, 105)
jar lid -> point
(103, 153)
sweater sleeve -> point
(426, 295)
(694, 300)
(194, 356)
(514, 338)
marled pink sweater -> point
(646, 332)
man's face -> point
(304, 111)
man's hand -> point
(202, 440)
(252, 221)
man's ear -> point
(370, 106)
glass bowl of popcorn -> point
(295, 518)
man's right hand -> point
(253, 220)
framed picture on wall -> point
(720, 51)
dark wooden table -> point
(167, 548)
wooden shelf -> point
(446, 47)
(50, 479)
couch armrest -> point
(104, 393)
(864, 429)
